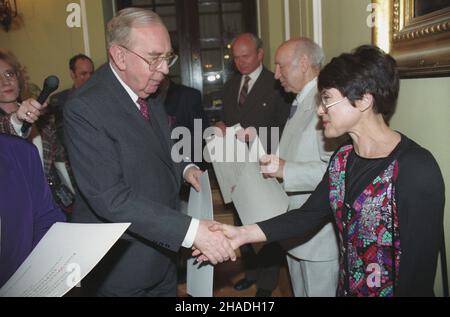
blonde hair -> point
(119, 28)
(9, 58)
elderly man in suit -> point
(256, 100)
(304, 156)
(119, 145)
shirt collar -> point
(305, 91)
(254, 76)
(129, 91)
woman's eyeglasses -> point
(9, 75)
(326, 106)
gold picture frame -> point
(418, 40)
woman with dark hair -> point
(14, 112)
(384, 192)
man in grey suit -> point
(119, 146)
(256, 100)
(305, 153)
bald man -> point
(304, 156)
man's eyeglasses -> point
(326, 106)
(9, 75)
(157, 61)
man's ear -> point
(118, 57)
(304, 64)
(365, 103)
(72, 74)
(261, 54)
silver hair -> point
(258, 42)
(119, 28)
(312, 50)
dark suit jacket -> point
(123, 167)
(183, 106)
(266, 105)
(56, 106)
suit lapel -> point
(254, 99)
(160, 122)
(236, 86)
(136, 120)
(302, 118)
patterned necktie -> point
(244, 91)
(143, 108)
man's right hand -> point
(237, 236)
(213, 245)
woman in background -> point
(14, 113)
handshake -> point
(216, 242)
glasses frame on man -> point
(156, 62)
(9, 76)
(325, 106)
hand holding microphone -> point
(30, 110)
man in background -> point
(81, 69)
(304, 155)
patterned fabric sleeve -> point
(6, 126)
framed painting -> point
(416, 33)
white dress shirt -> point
(253, 78)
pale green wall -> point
(96, 24)
(44, 43)
(344, 25)
(301, 22)
(273, 30)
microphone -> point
(51, 83)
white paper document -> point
(64, 256)
(230, 156)
(256, 198)
(200, 279)
(226, 168)
(241, 182)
